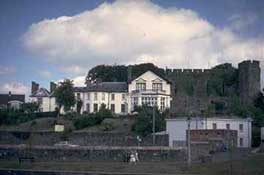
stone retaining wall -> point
(79, 138)
(119, 154)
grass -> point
(251, 165)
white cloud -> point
(45, 74)
(77, 81)
(15, 88)
(4, 70)
(138, 31)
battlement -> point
(187, 71)
(249, 63)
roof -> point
(210, 119)
(42, 92)
(103, 87)
(5, 98)
(161, 76)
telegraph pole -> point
(153, 125)
(189, 142)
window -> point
(157, 86)
(162, 103)
(88, 96)
(95, 107)
(39, 100)
(214, 126)
(149, 101)
(103, 96)
(241, 142)
(123, 108)
(78, 96)
(123, 96)
(88, 108)
(112, 97)
(113, 108)
(227, 126)
(141, 86)
(95, 96)
(241, 127)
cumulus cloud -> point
(127, 32)
(4, 70)
(45, 74)
(77, 81)
(14, 87)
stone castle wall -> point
(190, 86)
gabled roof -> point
(103, 87)
(5, 98)
(42, 92)
(161, 76)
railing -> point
(148, 91)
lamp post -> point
(189, 141)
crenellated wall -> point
(197, 89)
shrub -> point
(88, 121)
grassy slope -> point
(252, 165)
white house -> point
(149, 89)
(120, 97)
(45, 99)
(176, 128)
(112, 94)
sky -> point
(51, 40)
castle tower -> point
(249, 80)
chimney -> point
(129, 73)
(34, 87)
(52, 86)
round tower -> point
(249, 80)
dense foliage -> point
(64, 95)
(88, 120)
(119, 73)
(10, 117)
(144, 121)
(223, 81)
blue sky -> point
(53, 39)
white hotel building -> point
(122, 97)
(119, 97)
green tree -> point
(30, 107)
(144, 121)
(79, 105)
(64, 95)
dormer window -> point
(157, 86)
(141, 84)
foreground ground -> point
(250, 165)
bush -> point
(87, 121)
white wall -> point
(118, 100)
(176, 128)
(149, 77)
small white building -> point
(176, 128)
(45, 99)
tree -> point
(64, 95)
(79, 105)
(259, 101)
(143, 124)
(30, 107)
